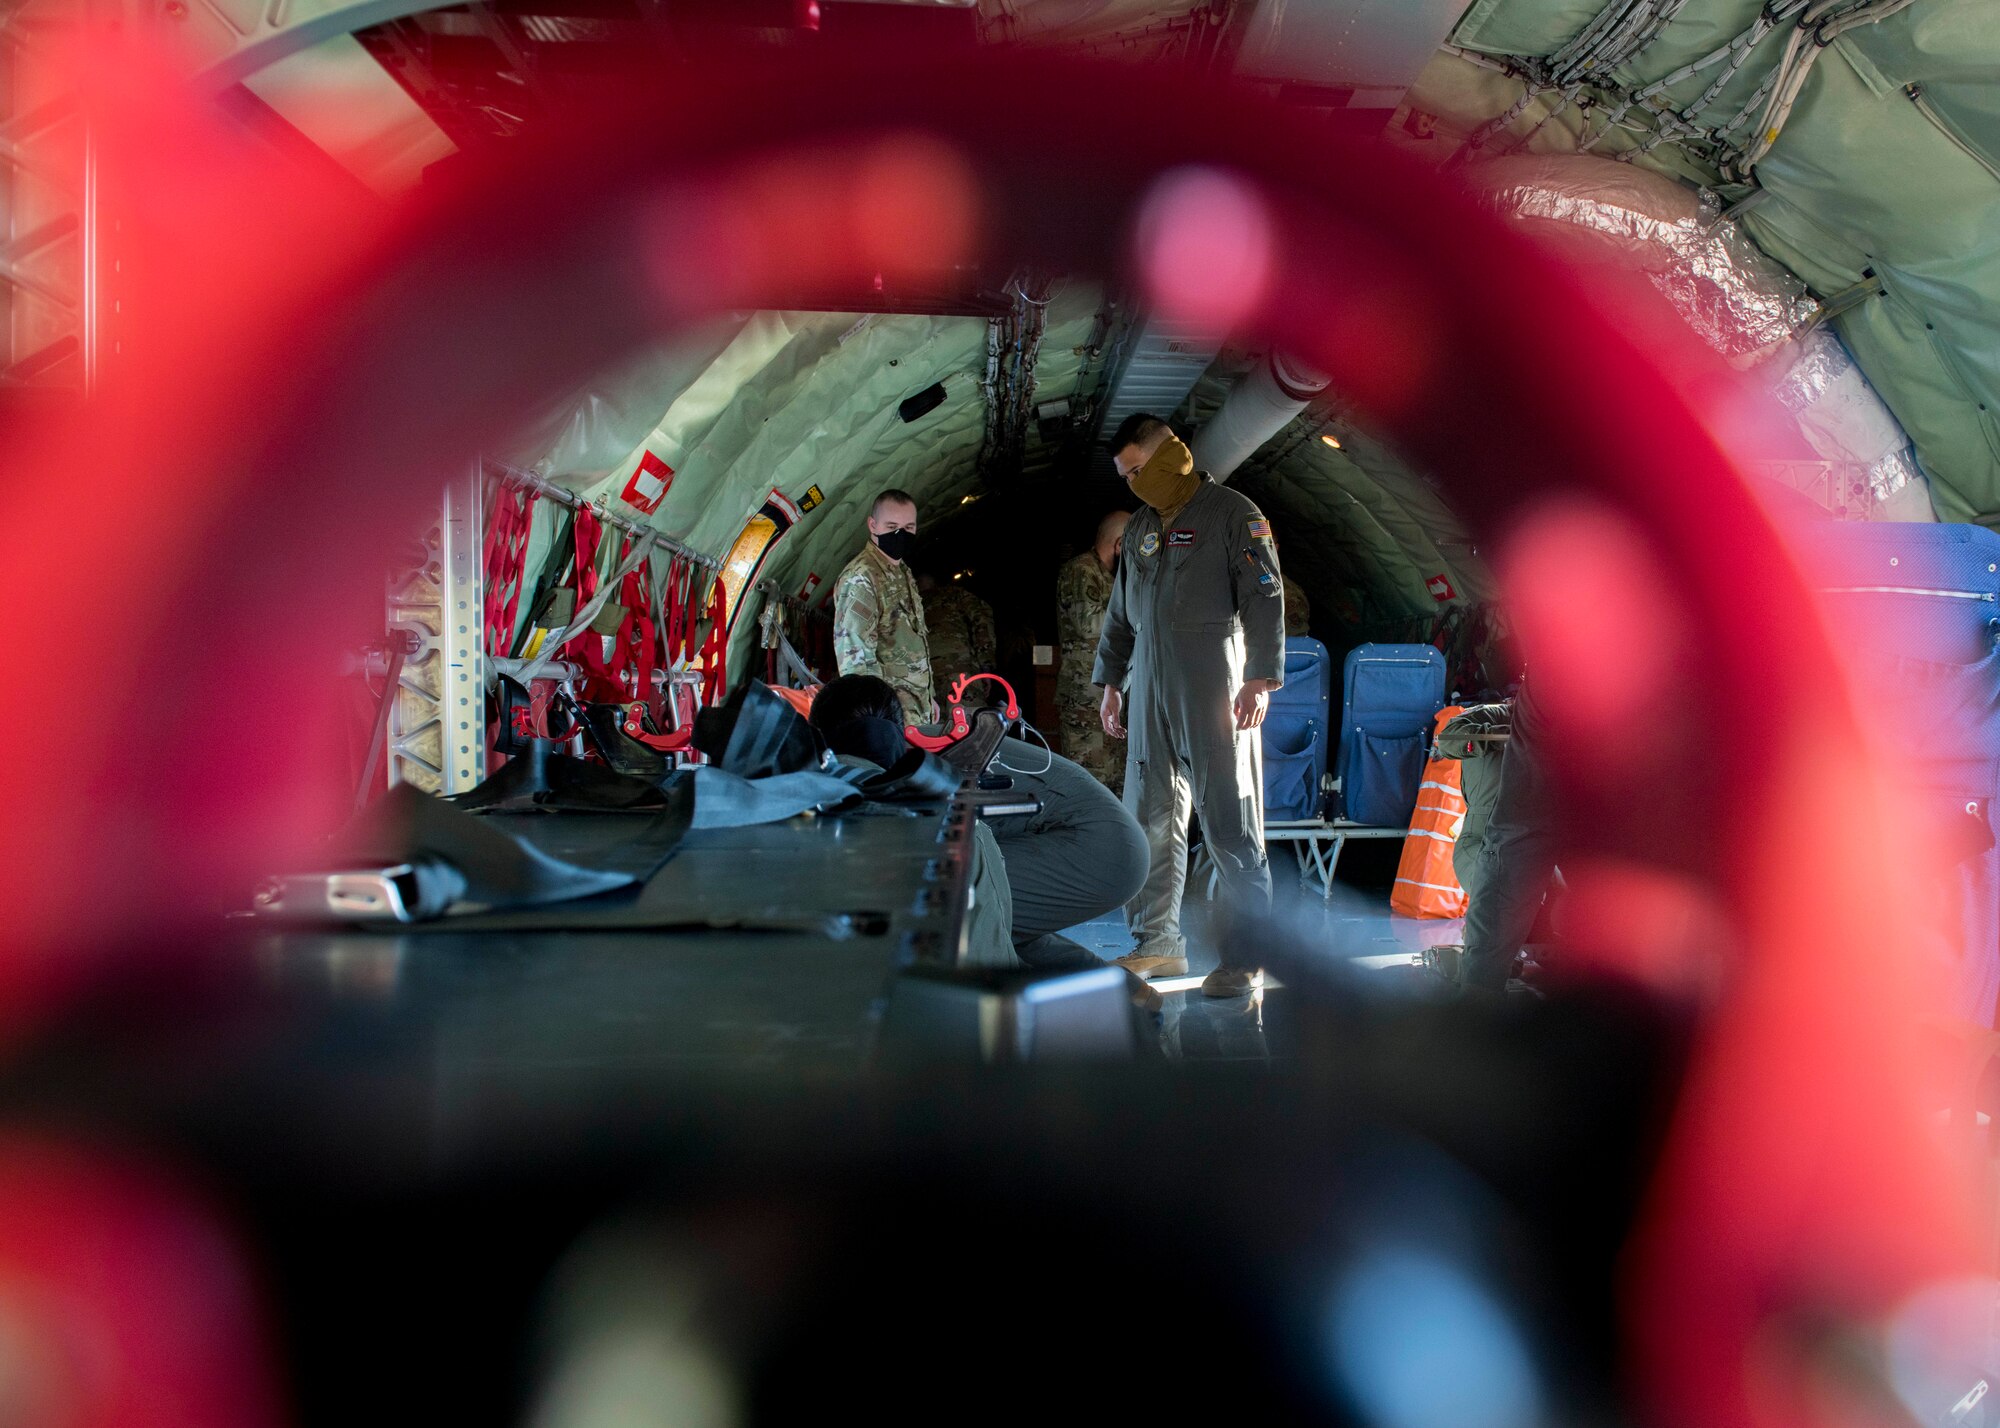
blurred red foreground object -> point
(295, 384)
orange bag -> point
(799, 699)
(1425, 883)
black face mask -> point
(896, 544)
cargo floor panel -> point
(806, 874)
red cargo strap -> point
(632, 650)
(678, 615)
(506, 563)
(715, 652)
(690, 619)
(588, 531)
(586, 648)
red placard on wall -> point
(649, 484)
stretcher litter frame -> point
(1317, 844)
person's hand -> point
(1112, 711)
(1253, 701)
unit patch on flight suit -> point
(1179, 540)
(1151, 544)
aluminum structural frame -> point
(58, 258)
(437, 718)
(51, 251)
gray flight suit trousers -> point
(1479, 779)
(989, 920)
(1518, 857)
(1077, 859)
(1197, 608)
(1217, 774)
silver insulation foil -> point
(1842, 416)
(1894, 472)
(1735, 298)
(1819, 367)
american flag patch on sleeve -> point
(1261, 529)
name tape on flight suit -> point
(1177, 540)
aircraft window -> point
(746, 557)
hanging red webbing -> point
(506, 564)
(691, 619)
(586, 648)
(631, 664)
(715, 652)
(677, 613)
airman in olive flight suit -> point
(1193, 645)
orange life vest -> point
(1425, 883)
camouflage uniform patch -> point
(878, 629)
(962, 640)
(1083, 594)
(1298, 609)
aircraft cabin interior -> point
(728, 703)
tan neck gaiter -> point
(1167, 481)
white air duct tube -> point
(1256, 409)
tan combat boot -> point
(1145, 964)
(1231, 982)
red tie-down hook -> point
(678, 742)
(958, 723)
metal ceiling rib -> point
(229, 40)
(1359, 55)
(1371, 49)
(1163, 361)
(340, 98)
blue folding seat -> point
(1390, 698)
(1298, 735)
(1917, 610)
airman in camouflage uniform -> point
(961, 636)
(1083, 593)
(878, 616)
